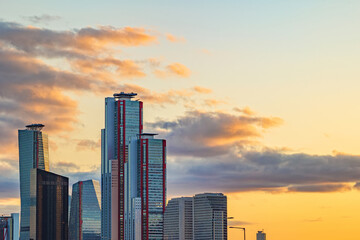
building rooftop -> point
(35, 127)
(124, 95)
(147, 135)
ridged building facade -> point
(85, 211)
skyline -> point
(266, 92)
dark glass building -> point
(85, 212)
(49, 195)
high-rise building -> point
(85, 212)
(123, 121)
(210, 216)
(33, 153)
(133, 174)
(9, 227)
(178, 219)
(260, 235)
(49, 194)
(151, 175)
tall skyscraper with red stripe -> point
(33, 153)
(123, 121)
(133, 173)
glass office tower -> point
(33, 153)
(9, 227)
(178, 219)
(133, 174)
(210, 216)
(49, 194)
(123, 121)
(85, 212)
(152, 185)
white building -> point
(178, 219)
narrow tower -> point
(33, 153)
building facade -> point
(9, 227)
(178, 219)
(210, 216)
(49, 195)
(260, 235)
(85, 212)
(151, 175)
(33, 153)
(123, 121)
(133, 174)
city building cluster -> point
(130, 201)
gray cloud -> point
(220, 152)
(238, 223)
(357, 186)
(205, 134)
(272, 171)
(45, 18)
(320, 188)
(88, 144)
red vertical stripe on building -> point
(164, 174)
(147, 189)
(80, 203)
(119, 160)
(141, 186)
(140, 118)
(124, 133)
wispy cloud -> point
(174, 69)
(45, 18)
(172, 38)
(87, 144)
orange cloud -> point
(172, 38)
(108, 66)
(91, 38)
(213, 102)
(212, 133)
(174, 69)
(245, 110)
(202, 90)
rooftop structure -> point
(35, 127)
(122, 95)
(148, 135)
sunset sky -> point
(257, 99)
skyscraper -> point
(210, 216)
(9, 227)
(260, 235)
(49, 195)
(178, 219)
(151, 175)
(133, 174)
(123, 121)
(85, 212)
(33, 153)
